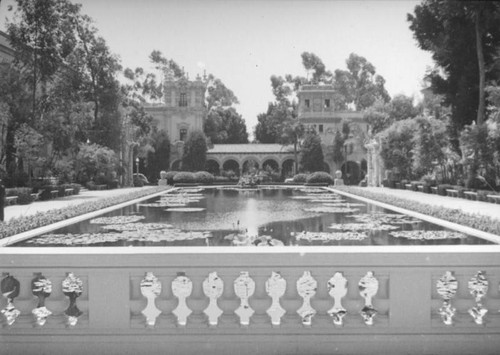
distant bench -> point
(470, 195)
(54, 193)
(68, 192)
(434, 190)
(36, 196)
(408, 186)
(10, 200)
(493, 198)
(452, 193)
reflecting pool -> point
(251, 217)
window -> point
(320, 128)
(327, 103)
(183, 134)
(307, 103)
(183, 100)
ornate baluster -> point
(306, 287)
(150, 288)
(478, 287)
(275, 288)
(182, 288)
(244, 287)
(213, 286)
(10, 290)
(72, 287)
(368, 287)
(41, 288)
(337, 288)
(447, 287)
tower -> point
(183, 110)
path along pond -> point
(251, 217)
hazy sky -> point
(245, 42)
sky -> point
(244, 42)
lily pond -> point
(251, 217)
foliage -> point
(397, 147)
(184, 177)
(311, 155)
(382, 114)
(300, 178)
(268, 126)
(430, 139)
(195, 151)
(319, 177)
(338, 155)
(40, 219)
(225, 126)
(170, 177)
(158, 158)
(359, 84)
(204, 177)
(477, 154)
(447, 29)
(93, 160)
(484, 223)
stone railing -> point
(247, 301)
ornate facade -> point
(183, 109)
(317, 111)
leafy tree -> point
(195, 151)
(312, 63)
(430, 143)
(397, 147)
(268, 126)
(225, 126)
(311, 155)
(158, 158)
(94, 160)
(359, 84)
(338, 148)
(447, 29)
(382, 114)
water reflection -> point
(277, 214)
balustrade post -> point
(410, 293)
(109, 299)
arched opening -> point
(176, 165)
(230, 168)
(271, 165)
(212, 166)
(351, 173)
(287, 168)
(250, 166)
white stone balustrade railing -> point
(336, 296)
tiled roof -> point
(249, 149)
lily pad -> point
(136, 226)
(384, 218)
(428, 235)
(117, 219)
(326, 209)
(361, 226)
(336, 236)
(185, 209)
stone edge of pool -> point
(288, 249)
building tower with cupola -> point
(317, 111)
(182, 110)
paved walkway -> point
(63, 202)
(475, 207)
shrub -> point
(138, 182)
(23, 194)
(300, 178)
(184, 177)
(221, 179)
(319, 177)
(204, 177)
(442, 189)
(170, 177)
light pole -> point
(137, 164)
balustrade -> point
(231, 299)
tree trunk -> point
(482, 73)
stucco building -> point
(316, 111)
(182, 110)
